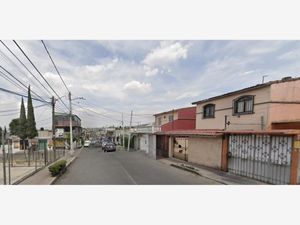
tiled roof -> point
(195, 132)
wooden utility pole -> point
(129, 131)
(53, 127)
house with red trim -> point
(254, 132)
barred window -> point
(209, 111)
(244, 105)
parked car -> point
(87, 143)
(109, 147)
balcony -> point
(148, 129)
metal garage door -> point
(262, 157)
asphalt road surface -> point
(93, 166)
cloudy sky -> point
(144, 76)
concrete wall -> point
(152, 146)
(224, 106)
(205, 151)
(144, 143)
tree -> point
(31, 125)
(14, 126)
(22, 123)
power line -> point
(20, 82)
(10, 80)
(97, 113)
(18, 94)
(55, 65)
(25, 67)
(39, 73)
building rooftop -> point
(65, 114)
(258, 86)
(194, 132)
(173, 110)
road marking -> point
(130, 177)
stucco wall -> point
(165, 118)
(144, 143)
(205, 151)
(285, 92)
(224, 106)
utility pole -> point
(53, 127)
(129, 131)
(71, 127)
(123, 135)
(3, 157)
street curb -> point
(58, 176)
(189, 169)
(68, 164)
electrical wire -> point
(21, 83)
(21, 95)
(54, 65)
(39, 73)
(25, 67)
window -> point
(171, 118)
(209, 111)
(244, 105)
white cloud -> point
(137, 87)
(166, 54)
(102, 67)
(151, 72)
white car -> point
(87, 143)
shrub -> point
(58, 167)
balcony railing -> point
(149, 129)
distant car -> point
(103, 143)
(109, 147)
(87, 143)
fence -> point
(17, 164)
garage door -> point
(263, 157)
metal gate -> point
(180, 150)
(262, 157)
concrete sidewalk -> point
(43, 177)
(212, 174)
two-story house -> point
(62, 128)
(176, 119)
(272, 105)
(252, 132)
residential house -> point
(44, 139)
(272, 105)
(181, 119)
(62, 128)
(144, 138)
(176, 119)
(253, 132)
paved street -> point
(93, 166)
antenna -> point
(263, 78)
